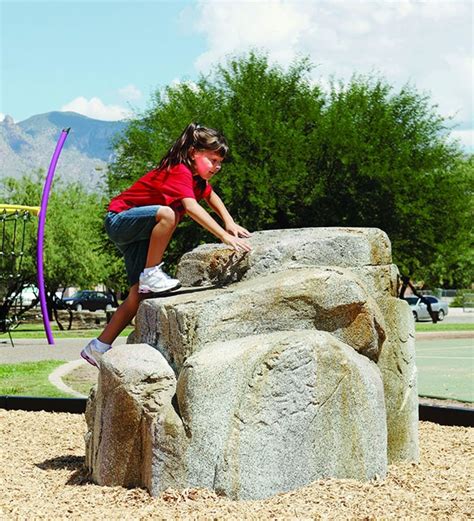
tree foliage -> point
(358, 154)
(73, 252)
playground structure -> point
(13, 222)
(12, 252)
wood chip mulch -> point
(42, 476)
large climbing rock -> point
(366, 253)
(291, 363)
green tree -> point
(453, 262)
(264, 176)
(382, 159)
(360, 154)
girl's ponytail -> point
(178, 153)
(197, 137)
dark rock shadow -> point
(180, 291)
(80, 474)
(62, 462)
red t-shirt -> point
(165, 187)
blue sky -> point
(55, 52)
(104, 59)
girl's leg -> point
(166, 222)
(122, 317)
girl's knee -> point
(166, 214)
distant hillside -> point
(28, 146)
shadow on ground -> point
(80, 474)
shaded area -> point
(62, 462)
(80, 475)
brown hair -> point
(197, 137)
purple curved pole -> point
(40, 240)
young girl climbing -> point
(141, 221)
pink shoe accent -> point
(88, 358)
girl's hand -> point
(236, 243)
(236, 230)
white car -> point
(420, 309)
(27, 296)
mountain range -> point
(28, 146)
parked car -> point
(90, 300)
(420, 309)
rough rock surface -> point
(135, 388)
(246, 408)
(297, 364)
(325, 299)
(264, 413)
(279, 250)
(366, 253)
(398, 369)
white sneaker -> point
(94, 351)
(154, 280)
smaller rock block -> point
(278, 250)
(397, 364)
(134, 390)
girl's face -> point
(206, 163)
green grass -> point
(29, 379)
(36, 331)
(81, 387)
(445, 368)
(440, 326)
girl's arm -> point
(198, 214)
(216, 203)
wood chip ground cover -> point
(43, 477)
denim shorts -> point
(130, 231)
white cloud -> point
(189, 83)
(2, 117)
(235, 26)
(130, 93)
(466, 138)
(95, 108)
(426, 43)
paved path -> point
(33, 350)
(458, 316)
(68, 349)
